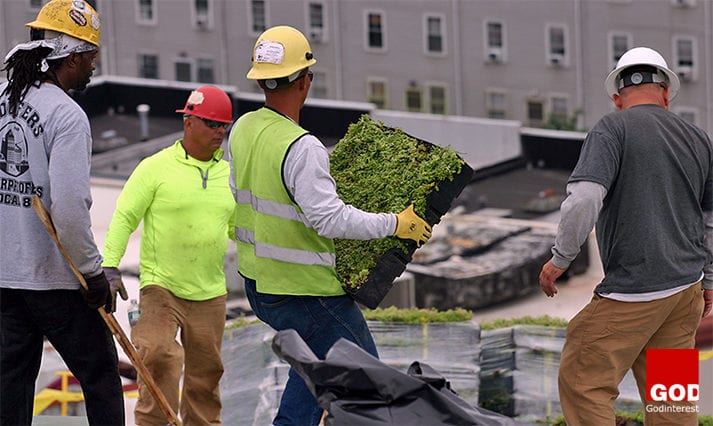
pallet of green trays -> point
(383, 169)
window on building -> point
(316, 21)
(495, 34)
(147, 10)
(557, 45)
(494, 42)
(414, 99)
(535, 112)
(687, 114)
(319, 85)
(202, 11)
(148, 66)
(259, 18)
(437, 99)
(376, 93)
(206, 70)
(375, 30)
(495, 103)
(434, 34)
(35, 4)
(559, 108)
(620, 43)
(202, 7)
(684, 52)
(685, 58)
(183, 71)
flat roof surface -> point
(110, 131)
(514, 189)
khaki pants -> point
(201, 326)
(607, 338)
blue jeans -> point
(79, 335)
(320, 321)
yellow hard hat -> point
(72, 17)
(280, 52)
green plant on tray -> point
(544, 320)
(417, 316)
(381, 169)
(239, 322)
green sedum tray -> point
(382, 169)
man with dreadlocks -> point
(45, 149)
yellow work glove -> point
(410, 226)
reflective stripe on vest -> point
(285, 254)
(271, 208)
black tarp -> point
(356, 388)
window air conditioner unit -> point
(202, 22)
(495, 55)
(556, 59)
(685, 72)
(315, 34)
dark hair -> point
(23, 71)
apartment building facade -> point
(536, 61)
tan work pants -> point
(607, 338)
(201, 326)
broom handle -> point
(109, 319)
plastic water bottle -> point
(133, 312)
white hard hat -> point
(641, 56)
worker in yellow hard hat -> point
(46, 150)
(288, 212)
(63, 47)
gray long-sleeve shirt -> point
(307, 177)
(579, 213)
(46, 151)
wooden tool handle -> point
(109, 319)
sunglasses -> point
(212, 124)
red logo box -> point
(672, 375)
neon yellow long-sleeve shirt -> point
(187, 210)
